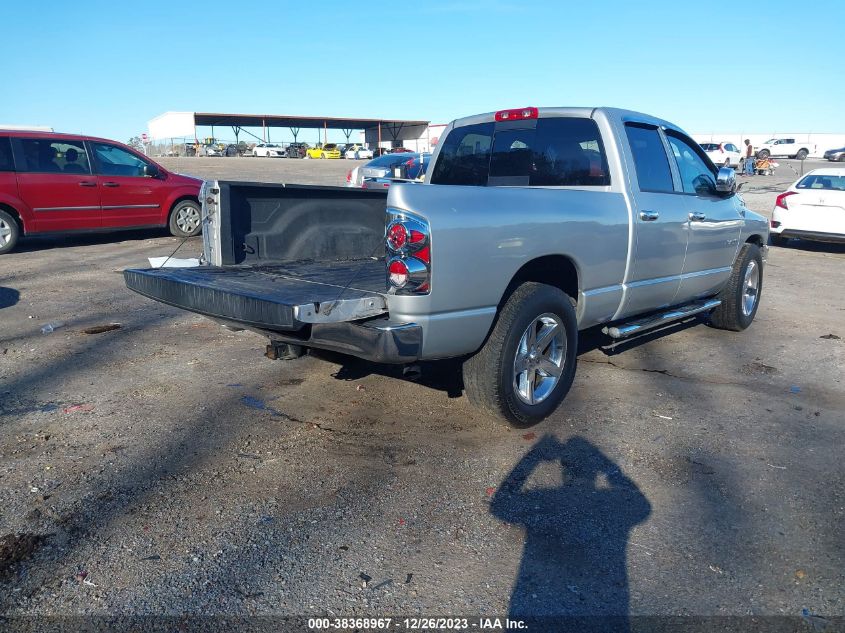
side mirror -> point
(726, 181)
(151, 171)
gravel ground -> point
(166, 467)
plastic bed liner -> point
(268, 296)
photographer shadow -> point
(573, 571)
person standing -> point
(749, 158)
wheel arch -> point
(16, 215)
(756, 239)
(559, 271)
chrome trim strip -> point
(132, 206)
(601, 291)
(65, 208)
(709, 271)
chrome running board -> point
(624, 330)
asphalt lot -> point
(167, 467)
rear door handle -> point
(649, 216)
(110, 184)
(697, 216)
(87, 183)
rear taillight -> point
(781, 199)
(774, 224)
(408, 242)
(349, 176)
(516, 114)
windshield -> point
(822, 181)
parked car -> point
(297, 150)
(380, 167)
(269, 150)
(512, 245)
(722, 154)
(358, 152)
(813, 208)
(59, 183)
(412, 170)
(231, 150)
(786, 147)
(211, 150)
(400, 150)
(835, 155)
(329, 150)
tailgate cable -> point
(333, 304)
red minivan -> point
(59, 183)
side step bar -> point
(624, 330)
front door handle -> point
(697, 216)
(649, 216)
(110, 184)
(87, 183)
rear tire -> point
(10, 232)
(741, 297)
(186, 219)
(535, 336)
(763, 153)
(802, 154)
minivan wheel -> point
(9, 232)
(186, 219)
(741, 297)
(526, 366)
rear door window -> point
(650, 158)
(46, 156)
(551, 152)
(6, 162)
(822, 181)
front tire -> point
(10, 232)
(741, 297)
(185, 219)
(526, 366)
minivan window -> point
(650, 159)
(6, 162)
(50, 156)
(557, 152)
(116, 161)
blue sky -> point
(106, 68)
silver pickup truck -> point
(532, 224)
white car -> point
(358, 153)
(788, 147)
(269, 150)
(813, 208)
(722, 154)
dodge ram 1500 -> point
(532, 224)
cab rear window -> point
(557, 152)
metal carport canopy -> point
(282, 120)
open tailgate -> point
(280, 297)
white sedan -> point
(269, 150)
(722, 154)
(358, 153)
(813, 208)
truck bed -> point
(279, 297)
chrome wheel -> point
(750, 288)
(5, 233)
(539, 360)
(187, 218)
